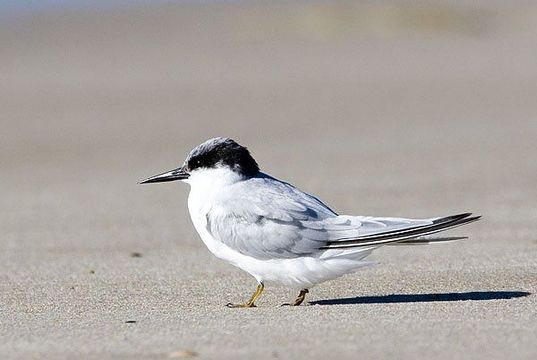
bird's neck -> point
(213, 180)
(208, 187)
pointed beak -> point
(177, 174)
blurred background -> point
(371, 105)
(400, 108)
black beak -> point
(177, 174)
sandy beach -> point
(413, 109)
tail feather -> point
(425, 240)
(411, 234)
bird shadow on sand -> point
(418, 298)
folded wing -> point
(269, 219)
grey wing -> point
(269, 219)
(266, 219)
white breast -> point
(206, 187)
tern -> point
(278, 233)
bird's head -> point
(215, 157)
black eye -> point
(195, 163)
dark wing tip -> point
(438, 225)
(452, 218)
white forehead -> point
(207, 146)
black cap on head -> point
(222, 151)
(212, 153)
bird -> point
(277, 233)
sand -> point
(409, 110)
